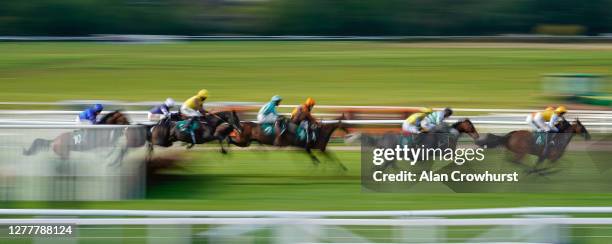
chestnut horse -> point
(523, 142)
(252, 131)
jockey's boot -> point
(546, 142)
(193, 139)
(307, 136)
(190, 128)
(277, 133)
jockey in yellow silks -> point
(545, 121)
(412, 124)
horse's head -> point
(327, 129)
(578, 128)
(340, 125)
(466, 126)
(564, 126)
(230, 117)
(234, 120)
(115, 118)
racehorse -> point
(90, 138)
(252, 131)
(441, 137)
(434, 138)
(214, 126)
(523, 142)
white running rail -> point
(517, 225)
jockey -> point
(89, 115)
(436, 118)
(412, 125)
(301, 116)
(267, 113)
(545, 121)
(194, 109)
(161, 111)
(194, 106)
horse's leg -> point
(221, 133)
(542, 156)
(314, 159)
(549, 171)
(332, 157)
(553, 157)
(221, 145)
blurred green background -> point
(334, 73)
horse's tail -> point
(38, 145)
(492, 140)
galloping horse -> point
(434, 138)
(88, 139)
(215, 126)
(523, 142)
(252, 131)
(439, 137)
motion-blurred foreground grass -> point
(351, 73)
(287, 180)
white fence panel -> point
(70, 163)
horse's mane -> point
(563, 125)
(107, 116)
(454, 125)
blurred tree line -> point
(304, 17)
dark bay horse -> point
(523, 142)
(91, 138)
(440, 137)
(214, 126)
(253, 132)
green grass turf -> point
(351, 73)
